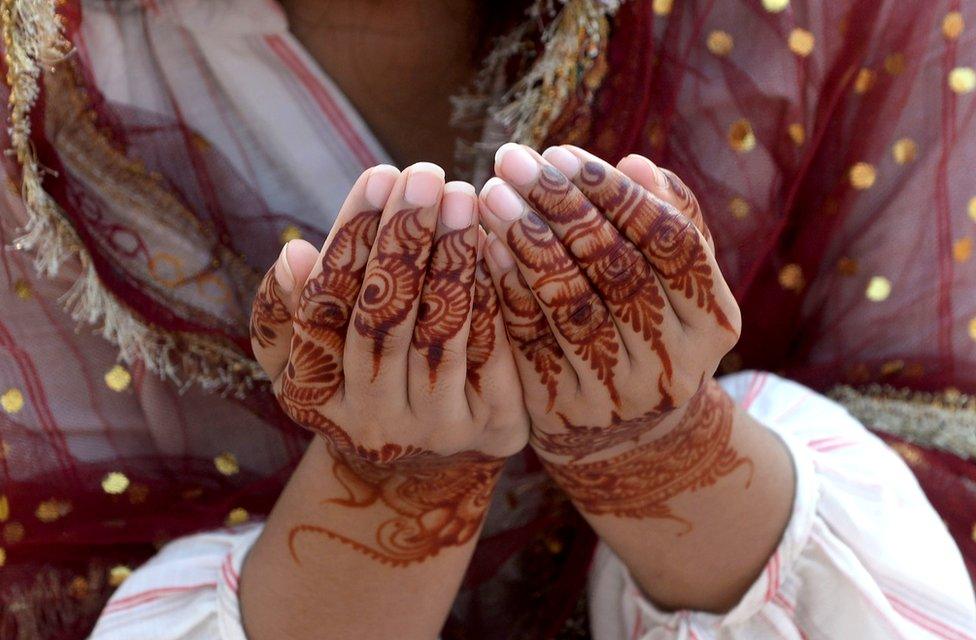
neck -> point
(398, 62)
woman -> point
(180, 136)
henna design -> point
(529, 331)
(640, 482)
(394, 279)
(577, 312)
(481, 340)
(668, 239)
(687, 203)
(268, 312)
(446, 299)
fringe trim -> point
(945, 420)
(33, 42)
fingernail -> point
(502, 200)
(457, 206)
(500, 254)
(379, 185)
(565, 161)
(516, 165)
(424, 183)
(286, 281)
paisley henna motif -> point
(394, 278)
(640, 482)
(481, 340)
(268, 312)
(577, 312)
(446, 299)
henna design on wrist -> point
(484, 310)
(395, 280)
(640, 482)
(446, 299)
(268, 311)
(577, 312)
(661, 233)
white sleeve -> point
(188, 591)
(864, 555)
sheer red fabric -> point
(831, 146)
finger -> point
(378, 342)
(315, 373)
(578, 317)
(670, 241)
(668, 187)
(542, 365)
(274, 306)
(615, 267)
(437, 353)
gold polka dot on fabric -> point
(801, 42)
(719, 43)
(3, 557)
(289, 233)
(865, 80)
(791, 277)
(971, 208)
(226, 464)
(236, 516)
(894, 64)
(51, 510)
(13, 532)
(115, 483)
(797, 133)
(775, 6)
(862, 175)
(878, 290)
(739, 208)
(953, 25)
(891, 367)
(4, 508)
(118, 574)
(23, 290)
(962, 249)
(12, 400)
(741, 136)
(662, 7)
(972, 328)
(118, 378)
(847, 267)
(962, 79)
(79, 588)
(904, 150)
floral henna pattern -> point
(268, 312)
(481, 339)
(640, 483)
(661, 233)
(395, 280)
(577, 312)
(446, 299)
(529, 332)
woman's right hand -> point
(390, 345)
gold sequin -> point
(115, 483)
(797, 133)
(952, 25)
(719, 43)
(3, 557)
(741, 136)
(656, 135)
(801, 42)
(847, 266)
(23, 290)
(878, 290)
(236, 516)
(892, 367)
(118, 574)
(51, 510)
(962, 79)
(13, 532)
(791, 277)
(972, 328)
(862, 175)
(662, 7)
(775, 6)
(864, 81)
(904, 150)
(12, 401)
(894, 64)
(289, 233)
(739, 208)
(118, 378)
(962, 249)
(78, 588)
(226, 463)
(4, 508)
